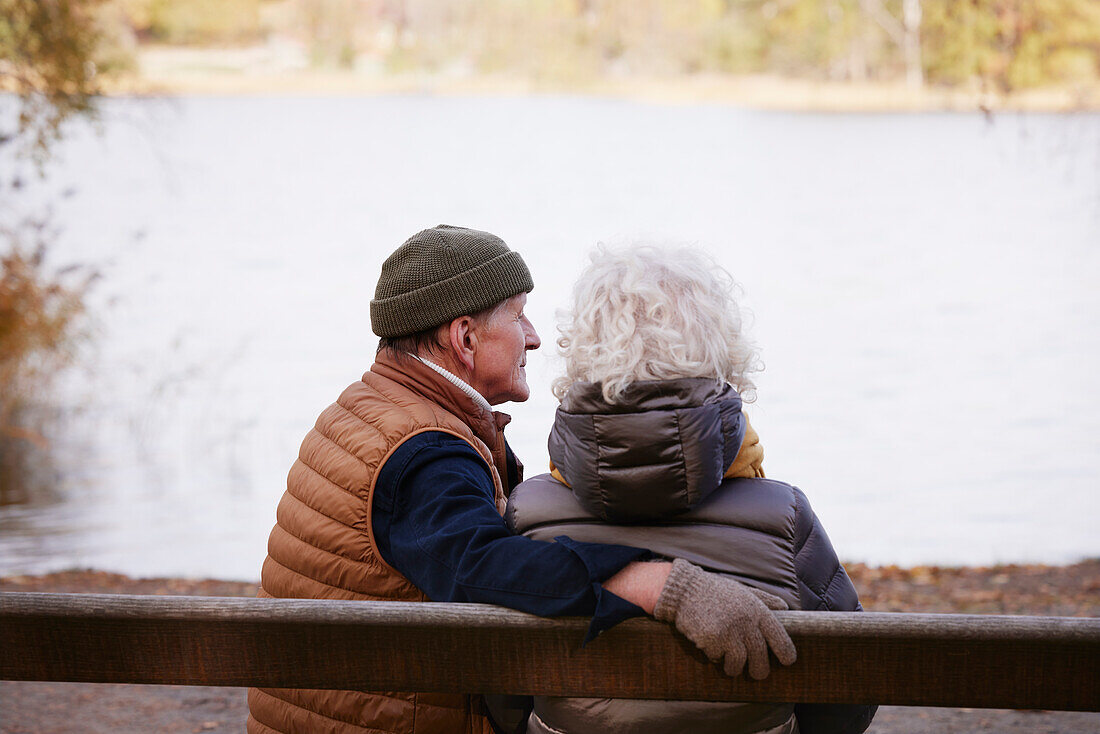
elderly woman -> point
(650, 449)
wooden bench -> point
(900, 659)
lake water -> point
(926, 292)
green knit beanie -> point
(443, 273)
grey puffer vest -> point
(655, 462)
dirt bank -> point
(48, 708)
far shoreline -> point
(167, 71)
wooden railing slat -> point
(902, 659)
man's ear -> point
(463, 341)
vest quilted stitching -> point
(322, 546)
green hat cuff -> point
(461, 294)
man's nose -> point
(532, 338)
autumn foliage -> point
(41, 325)
(47, 58)
(48, 52)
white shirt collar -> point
(458, 382)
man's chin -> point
(516, 397)
(519, 396)
(523, 392)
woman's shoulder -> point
(751, 501)
(541, 500)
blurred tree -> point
(40, 327)
(48, 52)
(330, 26)
(47, 57)
(1011, 44)
(904, 32)
(835, 38)
(196, 21)
(1005, 44)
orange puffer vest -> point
(322, 545)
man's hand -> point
(727, 620)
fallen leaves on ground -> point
(1061, 591)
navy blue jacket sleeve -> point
(823, 585)
(435, 521)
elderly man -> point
(398, 491)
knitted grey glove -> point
(725, 619)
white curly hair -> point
(654, 313)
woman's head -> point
(649, 313)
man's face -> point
(503, 341)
